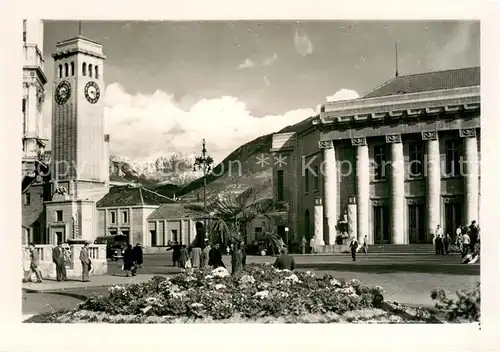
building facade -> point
(397, 162)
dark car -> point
(115, 245)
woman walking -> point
(129, 261)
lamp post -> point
(204, 162)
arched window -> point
(84, 69)
(60, 71)
(90, 70)
(72, 68)
(66, 69)
(96, 69)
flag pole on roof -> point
(397, 71)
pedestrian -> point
(138, 255)
(446, 244)
(196, 257)
(183, 257)
(285, 261)
(243, 254)
(354, 246)
(364, 247)
(474, 235)
(236, 259)
(35, 263)
(458, 232)
(312, 242)
(215, 257)
(85, 260)
(439, 245)
(205, 256)
(465, 244)
(58, 259)
(438, 234)
(129, 261)
(303, 244)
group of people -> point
(466, 239)
(132, 259)
(59, 258)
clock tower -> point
(80, 171)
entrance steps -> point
(423, 248)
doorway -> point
(416, 223)
(381, 224)
(452, 217)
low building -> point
(398, 162)
(125, 210)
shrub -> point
(466, 308)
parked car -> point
(115, 245)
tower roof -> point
(130, 196)
(78, 44)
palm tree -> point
(230, 214)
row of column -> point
(328, 208)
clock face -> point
(63, 92)
(92, 92)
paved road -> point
(407, 279)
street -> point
(405, 278)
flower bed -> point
(260, 294)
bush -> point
(467, 308)
(259, 291)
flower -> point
(309, 273)
(220, 272)
(220, 286)
(178, 294)
(209, 277)
(284, 294)
(293, 278)
(247, 279)
(196, 305)
(262, 294)
(335, 282)
(354, 282)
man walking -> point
(364, 247)
(215, 257)
(354, 247)
(465, 244)
(311, 244)
(303, 243)
(138, 256)
(285, 261)
(35, 263)
(205, 256)
(474, 235)
(85, 260)
(58, 260)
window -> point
(316, 178)
(380, 160)
(258, 232)
(306, 181)
(452, 158)
(173, 235)
(72, 68)
(416, 160)
(84, 69)
(90, 70)
(59, 215)
(60, 71)
(24, 30)
(280, 185)
(125, 217)
(96, 71)
(26, 198)
(112, 214)
(66, 70)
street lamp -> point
(204, 162)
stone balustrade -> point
(97, 254)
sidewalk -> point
(96, 281)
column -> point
(362, 187)
(433, 169)
(397, 189)
(329, 173)
(471, 175)
(318, 222)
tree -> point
(230, 214)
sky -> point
(171, 84)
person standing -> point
(465, 244)
(285, 261)
(438, 234)
(85, 260)
(215, 257)
(446, 244)
(129, 261)
(205, 256)
(236, 259)
(196, 257)
(364, 247)
(243, 254)
(354, 246)
(183, 257)
(35, 263)
(138, 255)
(58, 259)
(474, 235)
(303, 244)
(312, 242)
(458, 233)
